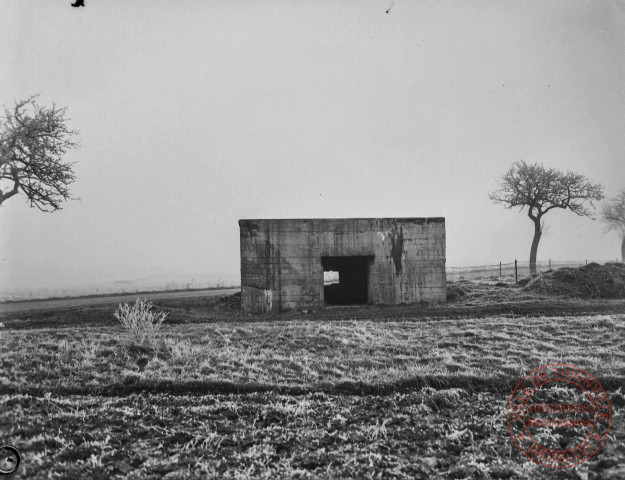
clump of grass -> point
(140, 322)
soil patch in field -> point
(465, 300)
(591, 289)
(590, 281)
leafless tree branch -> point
(33, 141)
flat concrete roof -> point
(400, 219)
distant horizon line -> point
(116, 294)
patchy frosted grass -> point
(423, 434)
(312, 355)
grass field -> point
(391, 392)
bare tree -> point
(33, 140)
(613, 214)
(542, 189)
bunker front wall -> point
(281, 260)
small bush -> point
(141, 323)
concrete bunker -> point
(366, 261)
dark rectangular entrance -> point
(353, 282)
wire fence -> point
(512, 271)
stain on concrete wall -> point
(397, 246)
(268, 300)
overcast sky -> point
(195, 114)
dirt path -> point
(62, 303)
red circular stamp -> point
(559, 415)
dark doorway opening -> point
(353, 280)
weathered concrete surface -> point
(281, 260)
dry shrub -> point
(140, 322)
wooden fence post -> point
(516, 272)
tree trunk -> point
(623, 250)
(537, 234)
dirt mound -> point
(456, 291)
(229, 302)
(590, 281)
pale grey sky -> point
(195, 114)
